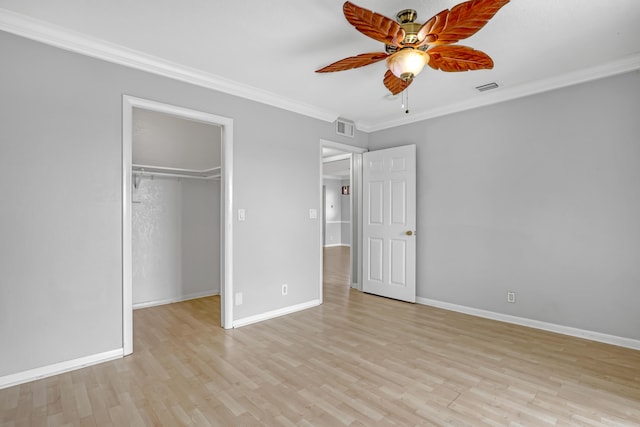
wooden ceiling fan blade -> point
(374, 25)
(429, 31)
(395, 84)
(354, 62)
(458, 58)
(462, 21)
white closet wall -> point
(176, 240)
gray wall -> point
(200, 256)
(540, 196)
(60, 183)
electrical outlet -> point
(285, 289)
(511, 297)
(238, 298)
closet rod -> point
(181, 173)
(173, 175)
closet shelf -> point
(144, 170)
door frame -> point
(226, 208)
(355, 154)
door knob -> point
(409, 233)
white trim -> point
(356, 205)
(537, 324)
(58, 368)
(226, 280)
(336, 158)
(620, 66)
(226, 226)
(181, 298)
(275, 313)
(321, 227)
(338, 222)
(63, 38)
(127, 228)
(341, 146)
(337, 244)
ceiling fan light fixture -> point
(407, 63)
(410, 45)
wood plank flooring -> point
(357, 360)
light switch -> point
(241, 214)
(313, 214)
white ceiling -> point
(268, 51)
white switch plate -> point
(242, 214)
(238, 298)
(313, 214)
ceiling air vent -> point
(488, 86)
(345, 127)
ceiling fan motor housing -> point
(407, 19)
(406, 15)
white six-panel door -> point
(389, 222)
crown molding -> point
(62, 38)
(620, 66)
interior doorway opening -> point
(336, 224)
(130, 180)
(176, 165)
(341, 201)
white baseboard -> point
(58, 368)
(181, 298)
(336, 244)
(275, 313)
(537, 324)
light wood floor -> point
(357, 360)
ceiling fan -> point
(409, 45)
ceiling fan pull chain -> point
(405, 101)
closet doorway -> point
(176, 204)
(176, 209)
